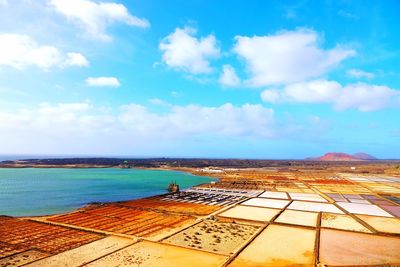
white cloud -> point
(103, 82)
(3, 2)
(365, 97)
(183, 51)
(318, 91)
(137, 119)
(130, 126)
(20, 51)
(225, 120)
(272, 96)
(360, 96)
(76, 59)
(11, 91)
(359, 74)
(62, 109)
(95, 17)
(229, 77)
(287, 57)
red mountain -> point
(364, 156)
(332, 156)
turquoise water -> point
(35, 191)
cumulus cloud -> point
(225, 120)
(95, 17)
(287, 57)
(319, 91)
(20, 51)
(136, 119)
(360, 74)
(103, 82)
(365, 97)
(183, 51)
(76, 59)
(360, 96)
(272, 96)
(229, 77)
(130, 125)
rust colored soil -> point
(156, 203)
(123, 220)
(20, 235)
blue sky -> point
(243, 79)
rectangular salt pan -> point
(270, 194)
(310, 206)
(364, 209)
(298, 217)
(359, 201)
(266, 202)
(307, 196)
(279, 246)
(250, 213)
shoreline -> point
(97, 204)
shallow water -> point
(40, 191)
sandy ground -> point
(169, 231)
(85, 253)
(219, 237)
(154, 254)
(22, 258)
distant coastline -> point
(60, 190)
(174, 163)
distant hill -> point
(364, 156)
(332, 156)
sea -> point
(44, 191)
